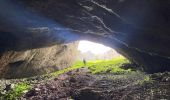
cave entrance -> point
(98, 59)
(94, 51)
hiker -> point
(84, 61)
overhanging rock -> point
(138, 29)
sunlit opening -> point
(95, 51)
(95, 48)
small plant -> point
(146, 79)
(17, 91)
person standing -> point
(84, 61)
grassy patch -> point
(65, 70)
(17, 91)
(105, 66)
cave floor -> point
(79, 84)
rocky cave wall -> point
(138, 29)
(18, 64)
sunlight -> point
(85, 46)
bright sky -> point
(95, 48)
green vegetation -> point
(105, 66)
(17, 91)
(146, 79)
(64, 70)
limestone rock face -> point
(138, 29)
(17, 64)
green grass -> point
(105, 66)
(17, 91)
(54, 74)
(97, 67)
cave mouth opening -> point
(94, 51)
(98, 58)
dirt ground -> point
(81, 85)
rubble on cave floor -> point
(81, 85)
